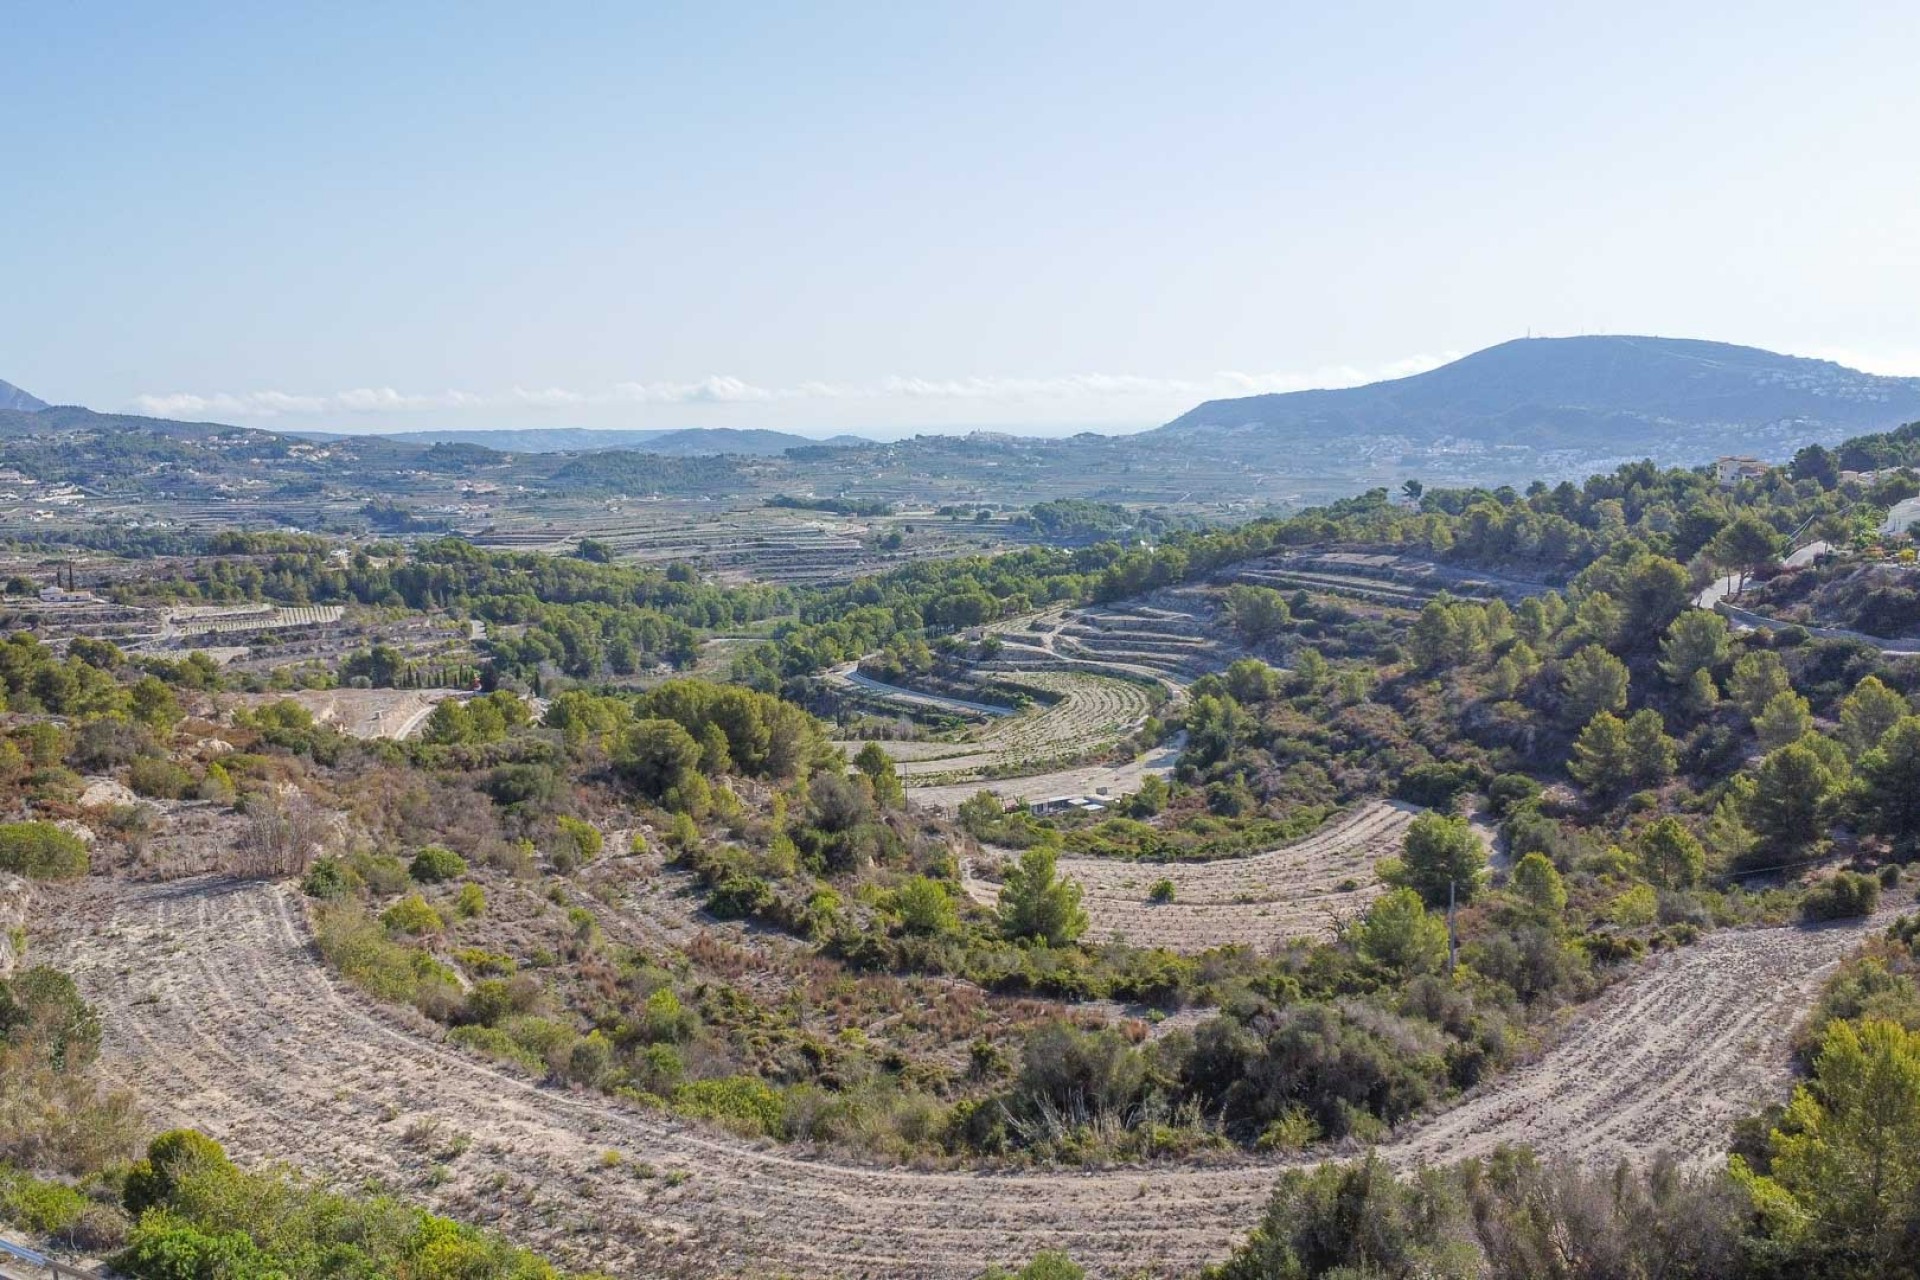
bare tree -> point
(283, 835)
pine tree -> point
(1600, 754)
(1787, 806)
(1672, 856)
(1036, 905)
(1537, 880)
(1786, 718)
(1868, 712)
(1592, 681)
(1890, 777)
(1650, 752)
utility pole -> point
(1453, 939)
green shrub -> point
(584, 837)
(744, 1104)
(489, 1001)
(41, 851)
(1155, 978)
(382, 873)
(546, 1039)
(434, 864)
(171, 1157)
(585, 928)
(589, 1060)
(412, 915)
(665, 1019)
(1841, 897)
(65, 1026)
(740, 896)
(1510, 791)
(488, 963)
(470, 903)
(496, 1043)
(202, 1219)
(159, 778)
(327, 878)
(925, 906)
(367, 956)
(1612, 948)
(1162, 891)
(1292, 1130)
(46, 1207)
(1438, 786)
(1635, 907)
(683, 836)
(166, 1247)
(1050, 1265)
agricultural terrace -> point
(1073, 716)
(1091, 680)
(1303, 890)
(216, 1011)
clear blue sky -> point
(895, 216)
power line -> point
(1783, 866)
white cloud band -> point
(1086, 387)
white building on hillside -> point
(1730, 471)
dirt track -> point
(217, 1012)
(1103, 780)
(363, 713)
(1269, 898)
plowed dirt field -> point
(218, 1012)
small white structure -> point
(1067, 804)
(1730, 471)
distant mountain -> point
(12, 397)
(1595, 394)
(64, 419)
(684, 443)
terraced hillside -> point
(1301, 890)
(745, 542)
(1172, 637)
(1402, 581)
(217, 1013)
(1085, 715)
(221, 620)
(1096, 666)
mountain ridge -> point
(17, 400)
(1550, 392)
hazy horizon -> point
(885, 222)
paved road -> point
(1722, 588)
(1715, 597)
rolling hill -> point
(1602, 394)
